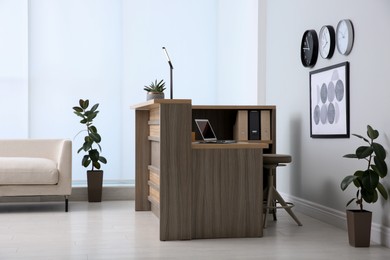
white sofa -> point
(34, 167)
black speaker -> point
(254, 125)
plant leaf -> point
(370, 180)
(357, 182)
(102, 159)
(87, 146)
(361, 137)
(86, 161)
(364, 151)
(91, 115)
(94, 155)
(350, 201)
(78, 114)
(382, 191)
(94, 107)
(95, 137)
(86, 104)
(351, 155)
(78, 109)
(373, 134)
(346, 181)
(380, 167)
(380, 152)
(368, 195)
(92, 129)
(374, 196)
(96, 165)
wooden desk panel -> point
(175, 172)
(227, 193)
(142, 160)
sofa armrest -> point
(65, 166)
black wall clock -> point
(309, 48)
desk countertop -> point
(238, 145)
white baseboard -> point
(81, 194)
(379, 233)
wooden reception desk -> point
(199, 190)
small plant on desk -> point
(155, 90)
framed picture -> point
(329, 102)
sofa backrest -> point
(43, 148)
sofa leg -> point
(66, 203)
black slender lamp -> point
(171, 70)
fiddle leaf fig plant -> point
(92, 139)
(366, 180)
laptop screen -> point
(205, 129)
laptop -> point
(207, 132)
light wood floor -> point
(113, 230)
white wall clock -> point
(327, 41)
(344, 36)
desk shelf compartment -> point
(231, 122)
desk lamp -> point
(171, 69)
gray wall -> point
(318, 166)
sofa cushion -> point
(27, 171)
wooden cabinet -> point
(199, 190)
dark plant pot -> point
(95, 185)
(359, 227)
(154, 95)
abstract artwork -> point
(329, 102)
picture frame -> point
(329, 102)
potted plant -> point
(367, 183)
(155, 90)
(92, 148)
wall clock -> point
(344, 35)
(327, 41)
(309, 48)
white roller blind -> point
(76, 52)
(13, 69)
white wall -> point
(318, 166)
